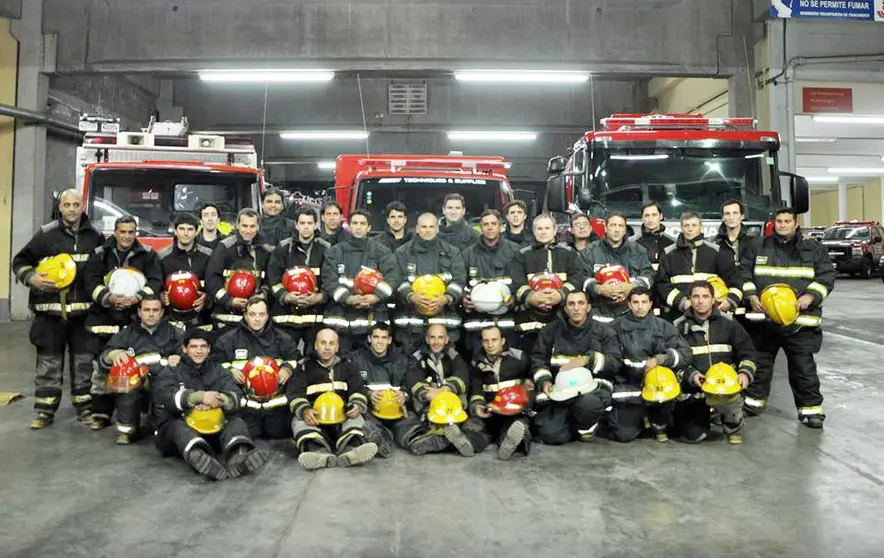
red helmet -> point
(183, 289)
(300, 280)
(613, 273)
(366, 281)
(510, 401)
(545, 280)
(242, 284)
(126, 377)
(262, 377)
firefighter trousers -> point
(103, 402)
(176, 438)
(626, 421)
(332, 437)
(799, 348)
(560, 422)
(272, 424)
(52, 336)
(129, 407)
(692, 415)
(492, 430)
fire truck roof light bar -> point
(436, 164)
(262, 76)
(521, 76)
(675, 122)
(849, 119)
(324, 135)
(466, 135)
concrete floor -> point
(787, 491)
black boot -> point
(245, 461)
(205, 464)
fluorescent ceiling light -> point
(325, 165)
(816, 140)
(491, 136)
(877, 170)
(324, 135)
(521, 76)
(648, 157)
(261, 76)
(849, 119)
(822, 179)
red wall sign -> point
(828, 99)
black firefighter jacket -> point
(380, 371)
(486, 263)
(738, 247)
(719, 338)
(488, 376)
(649, 337)
(460, 235)
(276, 228)
(52, 239)
(196, 260)
(290, 253)
(557, 258)
(148, 348)
(427, 370)
(654, 242)
(435, 257)
(314, 378)
(631, 256)
(174, 385)
(687, 261)
(232, 254)
(560, 341)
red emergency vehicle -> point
(421, 182)
(685, 162)
(161, 171)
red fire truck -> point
(685, 162)
(421, 182)
(154, 174)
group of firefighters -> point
(447, 338)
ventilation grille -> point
(407, 98)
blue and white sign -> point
(853, 10)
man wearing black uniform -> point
(274, 226)
(209, 235)
(397, 219)
(331, 229)
(241, 251)
(196, 383)
(653, 237)
(299, 315)
(59, 314)
(185, 254)
(805, 266)
(732, 235)
(453, 229)
(150, 342)
(498, 367)
(251, 338)
(517, 231)
(112, 312)
(352, 314)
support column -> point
(739, 95)
(8, 79)
(842, 201)
(881, 216)
(808, 220)
(31, 208)
(779, 92)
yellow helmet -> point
(660, 385)
(330, 407)
(61, 269)
(388, 407)
(446, 408)
(721, 379)
(225, 228)
(428, 285)
(780, 303)
(206, 421)
(719, 288)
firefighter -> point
(693, 258)
(714, 338)
(436, 371)
(209, 235)
(331, 229)
(581, 235)
(609, 299)
(653, 237)
(382, 369)
(151, 342)
(732, 235)
(300, 315)
(254, 337)
(516, 214)
(488, 261)
(185, 254)
(328, 402)
(453, 229)
(112, 312)
(60, 301)
(244, 251)
(428, 254)
(353, 312)
(573, 341)
(545, 256)
(646, 342)
(499, 367)
(187, 399)
(397, 219)
(803, 265)
(274, 226)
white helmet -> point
(125, 281)
(491, 297)
(572, 383)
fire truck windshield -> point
(155, 196)
(426, 194)
(685, 179)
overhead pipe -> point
(34, 117)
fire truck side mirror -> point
(799, 192)
(555, 194)
(556, 165)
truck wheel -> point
(865, 271)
